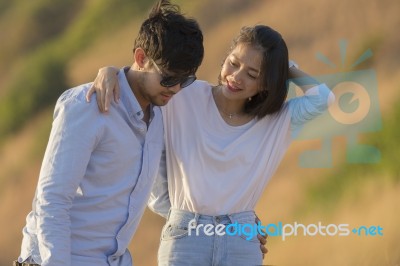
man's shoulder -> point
(77, 93)
(74, 100)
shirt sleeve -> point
(159, 201)
(314, 102)
(72, 139)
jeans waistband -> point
(182, 216)
(16, 263)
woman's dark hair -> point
(171, 39)
(274, 69)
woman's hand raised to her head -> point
(106, 87)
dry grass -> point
(309, 26)
(21, 170)
(378, 204)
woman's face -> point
(240, 72)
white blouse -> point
(213, 168)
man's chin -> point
(160, 102)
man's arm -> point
(71, 142)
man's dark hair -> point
(172, 40)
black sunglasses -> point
(170, 81)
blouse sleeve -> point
(159, 201)
(314, 102)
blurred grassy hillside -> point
(48, 46)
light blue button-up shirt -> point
(94, 183)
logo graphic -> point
(250, 231)
(354, 112)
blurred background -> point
(48, 46)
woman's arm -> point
(300, 78)
(315, 101)
(159, 201)
(105, 86)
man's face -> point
(158, 86)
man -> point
(98, 170)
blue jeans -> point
(186, 241)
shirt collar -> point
(128, 97)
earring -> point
(249, 99)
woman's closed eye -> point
(252, 76)
(232, 63)
(249, 74)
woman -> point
(222, 145)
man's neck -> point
(131, 77)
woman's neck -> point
(225, 105)
(232, 111)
